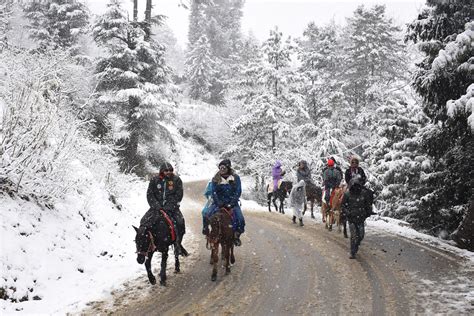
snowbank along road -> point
(285, 269)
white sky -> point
(291, 16)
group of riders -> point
(356, 201)
(165, 193)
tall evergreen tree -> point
(132, 84)
(445, 36)
(56, 23)
(271, 103)
(219, 20)
(200, 69)
(374, 55)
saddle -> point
(170, 223)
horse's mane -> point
(151, 218)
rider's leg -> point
(238, 224)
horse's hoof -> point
(163, 283)
(232, 260)
(213, 277)
(227, 271)
(177, 270)
(152, 280)
(312, 216)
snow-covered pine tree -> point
(219, 20)
(319, 54)
(271, 103)
(200, 69)
(373, 55)
(132, 83)
(394, 157)
(444, 33)
(5, 11)
(56, 23)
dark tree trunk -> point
(135, 10)
(147, 23)
(464, 235)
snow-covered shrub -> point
(38, 132)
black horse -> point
(313, 194)
(281, 193)
(154, 234)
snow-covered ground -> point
(53, 261)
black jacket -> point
(349, 173)
(357, 206)
(165, 193)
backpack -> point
(369, 199)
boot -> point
(301, 222)
(294, 219)
(237, 241)
(205, 230)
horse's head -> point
(287, 186)
(144, 243)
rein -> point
(151, 246)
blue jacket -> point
(226, 192)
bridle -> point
(151, 246)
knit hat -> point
(226, 163)
(330, 163)
(166, 166)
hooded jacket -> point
(303, 174)
(298, 194)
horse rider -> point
(165, 192)
(226, 190)
(355, 171)
(332, 178)
(356, 206)
(297, 200)
(303, 172)
(277, 174)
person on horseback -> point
(332, 178)
(303, 172)
(226, 190)
(356, 207)
(297, 201)
(165, 192)
(277, 174)
(354, 171)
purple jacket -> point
(276, 174)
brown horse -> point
(328, 211)
(313, 194)
(223, 234)
(337, 208)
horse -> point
(156, 234)
(313, 194)
(328, 210)
(223, 234)
(339, 218)
(281, 193)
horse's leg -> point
(323, 212)
(274, 203)
(269, 197)
(232, 258)
(164, 259)
(344, 224)
(214, 259)
(176, 262)
(305, 207)
(312, 208)
(337, 218)
(226, 250)
(151, 277)
(282, 201)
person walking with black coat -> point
(356, 206)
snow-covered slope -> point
(55, 260)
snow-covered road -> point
(285, 269)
